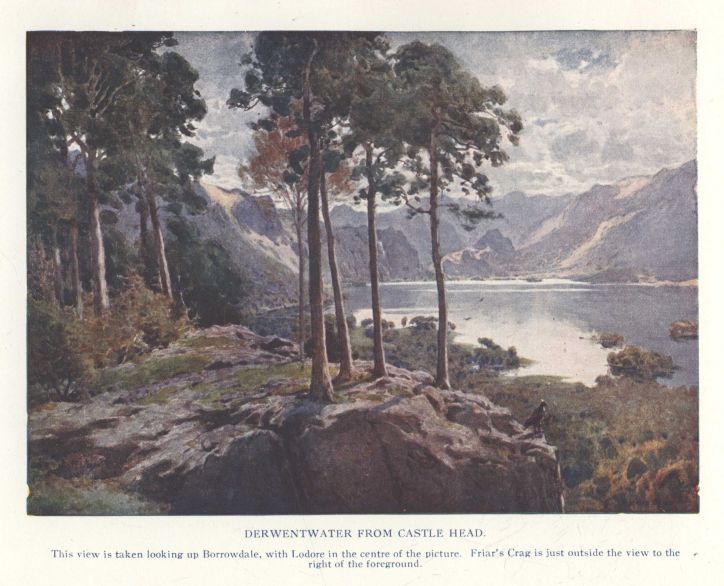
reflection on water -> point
(552, 322)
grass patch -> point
(600, 431)
(293, 377)
(199, 342)
(132, 376)
(161, 396)
(57, 496)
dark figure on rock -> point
(536, 418)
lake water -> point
(552, 322)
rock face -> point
(398, 260)
(392, 445)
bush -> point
(491, 356)
(57, 369)
(609, 340)
(637, 363)
(423, 322)
(64, 350)
(330, 337)
(138, 321)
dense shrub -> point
(491, 356)
(331, 339)
(63, 350)
(423, 322)
(57, 369)
(139, 320)
(609, 339)
(637, 363)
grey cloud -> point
(573, 144)
(616, 150)
(584, 60)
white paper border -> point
(26, 540)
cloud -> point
(584, 60)
(596, 106)
(574, 143)
(616, 149)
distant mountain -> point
(634, 229)
(252, 232)
(642, 226)
(638, 228)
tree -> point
(270, 168)
(375, 117)
(457, 123)
(161, 108)
(54, 205)
(331, 163)
(310, 71)
(78, 80)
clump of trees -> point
(408, 122)
(107, 119)
(641, 364)
(493, 357)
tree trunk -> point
(380, 368)
(300, 248)
(101, 302)
(159, 245)
(345, 348)
(57, 268)
(75, 269)
(320, 387)
(142, 207)
(441, 377)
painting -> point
(302, 272)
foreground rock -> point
(388, 446)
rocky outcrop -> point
(390, 445)
(398, 259)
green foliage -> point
(447, 109)
(210, 284)
(331, 339)
(132, 376)
(637, 363)
(57, 368)
(491, 356)
(57, 496)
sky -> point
(597, 107)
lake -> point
(552, 322)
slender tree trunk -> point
(57, 268)
(75, 269)
(159, 245)
(300, 248)
(442, 379)
(321, 385)
(101, 302)
(380, 368)
(345, 348)
(143, 229)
